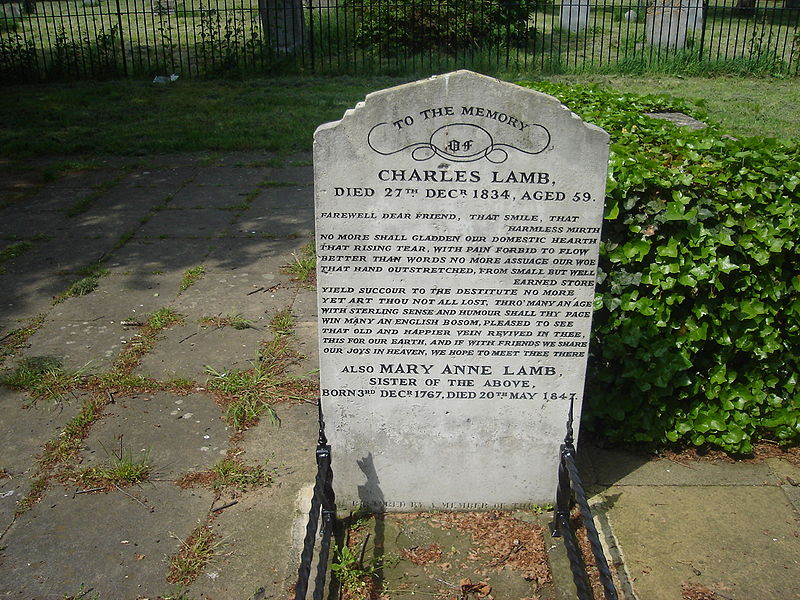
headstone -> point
(283, 23)
(574, 15)
(457, 227)
(666, 22)
(630, 16)
(694, 14)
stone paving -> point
(138, 227)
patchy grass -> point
(236, 321)
(192, 276)
(65, 445)
(35, 493)
(86, 285)
(122, 469)
(304, 267)
(194, 554)
(228, 473)
(282, 323)
(13, 251)
(83, 204)
(163, 318)
(17, 338)
(42, 377)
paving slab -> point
(188, 223)
(160, 255)
(61, 253)
(612, 467)
(180, 433)
(25, 427)
(121, 295)
(169, 177)
(265, 255)
(741, 541)
(52, 198)
(231, 176)
(187, 351)
(263, 532)
(108, 543)
(193, 196)
(86, 178)
(133, 198)
(299, 175)
(280, 211)
(306, 333)
(89, 346)
(25, 296)
(248, 291)
(28, 223)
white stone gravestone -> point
(666, 22)
(458, 221)
(574, 15)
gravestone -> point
(283, 23)
(457, 227)
(666, 22)
(574, 15)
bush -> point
(443, 25)
(696, 329)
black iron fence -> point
(73, 39)
(323, 506)
(570, 491)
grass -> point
(282, 323)
(194, 554)
(237, 321)
(228, 473)
(43, 377)
(13, 251)
(192, 276)
(17, 338)
(280, 114)
(304, 267)
(84, 203)
(86, 285)
(163, 318)
(122, 469)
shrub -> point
(444, 25)
(697, 313)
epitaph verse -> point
(457, 226)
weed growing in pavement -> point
(82, 287)
(195, 553)
(121, 470)
(17, 338)
(13, 251)
(355, 575)
(236, 321)
(246, 394)
(35, 493)
(43, 377)
(66, 444)
(304, 267)
(83, 204)
(192, 276)
(83, 594)
(163, 318)
(228, 473)
(283, 322)
(232, 473)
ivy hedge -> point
(696, 332)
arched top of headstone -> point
(496, 118)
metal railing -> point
(570, 488)
(74, 39)
(323, 505)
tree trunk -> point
(283, 24)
